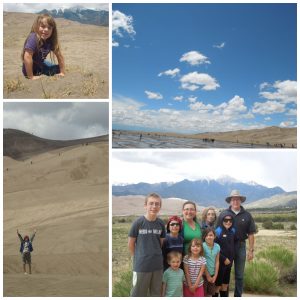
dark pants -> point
(47, 68)
(239, 267)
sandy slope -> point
(85, 49)
(134, 205)
(65, 197)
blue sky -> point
(204, 67)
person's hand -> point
(227, 262)
(192, 288)
(213, 279)
(250, 255)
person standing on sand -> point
(26, 249)
(245, 229)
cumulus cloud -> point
(194, 58)
(193, 81)
(267, 119)
(153, 95)
(122, 23)
(268, 108)
(199, 118)
(283, 91)
(222, 45)
(178, 98)
(171, 73)
(115, 44)
(58, 120)
(234, 106)
(192, 99)
(287, 124)
(292, 112)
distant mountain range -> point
(81, 15)
(18, 144)
(204, 192)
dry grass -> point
(12, 85)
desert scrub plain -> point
(85, 50)
(272, 273)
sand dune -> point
(134, 205)
(85, 49)
(268, 137)
(65, 197)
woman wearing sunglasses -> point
(173, 240)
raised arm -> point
(20, 237)
(33, 235)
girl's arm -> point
(33, 235)
(202, 270)
(217, 265)
(28, 63)
(61, 62)
(20, 237)
(187, 274)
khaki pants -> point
(146, 284)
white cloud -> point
(199, 117)
(292, 112)
(287, 124)
(192, 99)
(178, 98)
(268, 108)
(171, 73)
(267, 119)
(122, 23)
(222, 45)
(115, 44)
(283, 91)
(153, 95)
(193, 81)
(194, 58)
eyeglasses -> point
(174, 224)
(227, 220)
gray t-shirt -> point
(148, 255)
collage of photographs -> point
(149, 149)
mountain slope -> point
(18, 144)
(204, 192)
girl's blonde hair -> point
(196, 242)
(53, 38)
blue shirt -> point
(210, 255)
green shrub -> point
(290, 276)
(261, 277)
(293, 227)
(281, 257)
(278, 226)
(267, 224)
(123, 286)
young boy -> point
(26, 249)
(145, 239)
(173, 277)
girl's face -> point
(209, 239)
(189, 212)
(195, 249)
(174, 227)
(211, 216)
(175, 263)
(45, 30)
(227, 222)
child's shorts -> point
(26, 258)
(199, 292)
(209, 288)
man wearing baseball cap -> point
(245, 229)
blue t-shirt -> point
(210, 255)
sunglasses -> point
(174, 224)
(227, 220)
